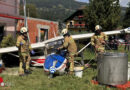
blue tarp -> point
(51, 58)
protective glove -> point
(59, 48)
(21, 43)
(32, 52)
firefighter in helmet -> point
(24, 49)
(98, 40)
(71, 47)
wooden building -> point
(76, 22)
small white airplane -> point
(39, 60)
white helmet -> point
(23, 30)
(64, 31)
(98, 27)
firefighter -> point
(98, 40)
(24, 49)
(71, 47)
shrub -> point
(8, 41)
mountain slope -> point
(55, 9)
(58, 10)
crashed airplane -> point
(55, 41)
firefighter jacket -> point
(99, 41)
(70, 44)
(23, 45)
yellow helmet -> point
(64, 31)
(23, 30)
(98, 27)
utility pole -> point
(25, 18)
(28, 12)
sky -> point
(122, 2)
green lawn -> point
(38, 80)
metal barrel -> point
(112, 68)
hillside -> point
(55, 9)
(58, 10)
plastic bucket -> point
(78, 71)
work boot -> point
(71, 72)
(30, 69)
(28, 72)
(21, 75)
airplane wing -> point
(45, 43)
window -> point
(44, 34)
(1, 32)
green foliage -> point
(77, 32)
(126, 21)
(31, 10)
(8, 41)
(38, 80)
(103, 12)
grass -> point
(39, 80)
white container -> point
(78, 71)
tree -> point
(126, 21)
(103, 12)
(8, 41)
(31, 10)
